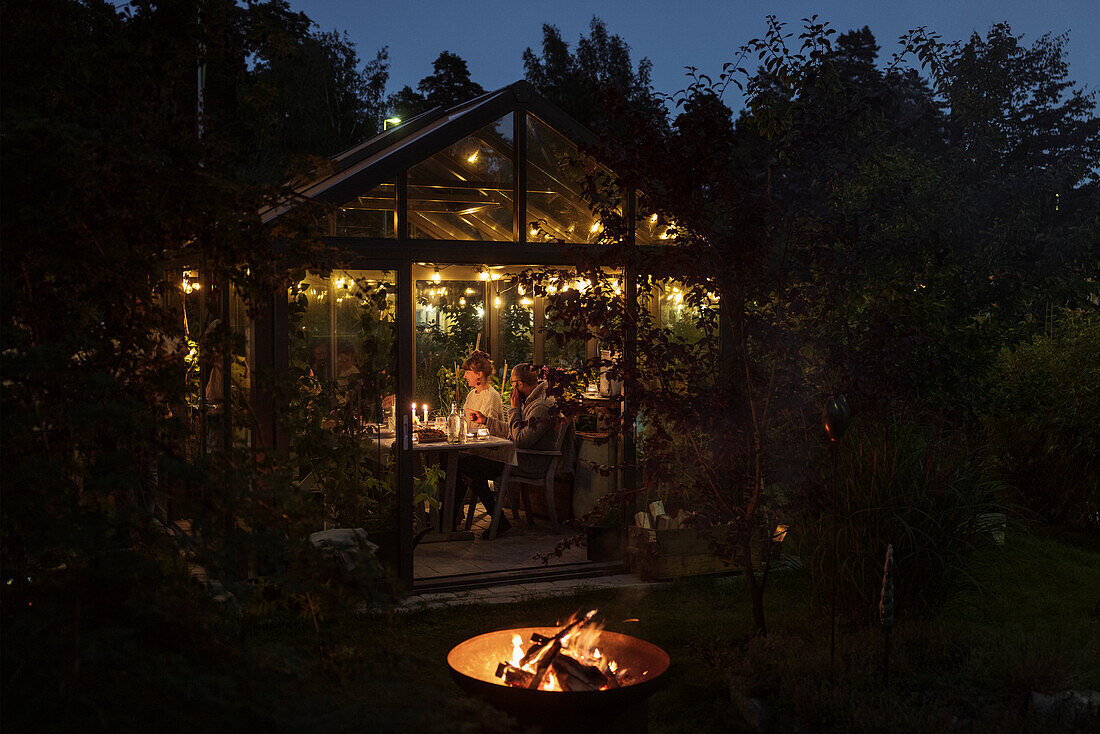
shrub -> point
(915, 486)
(1042, 423)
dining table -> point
(446, 455)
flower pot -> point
(605, 544)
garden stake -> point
(832, 574)
(835, 419)
(886, 611)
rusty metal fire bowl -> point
(473, 665)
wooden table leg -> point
(449, 492)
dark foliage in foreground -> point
(859, 238)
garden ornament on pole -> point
(835, 419)
(886, 611)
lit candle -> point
(425, 413)
(414, 412)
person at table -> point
(529, 425)
(482, 398)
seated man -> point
(528, 425)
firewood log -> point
(568, 681)
(543, 661)
(537, 646)
(588, 674)
(513, 676)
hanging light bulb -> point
(525, 301)
(472, 158)
(653, 219)
(521, 290)
(461, 301)
(436, 276)
(496, 302)
(483, 275)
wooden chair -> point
(512, 476)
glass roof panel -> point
(374, 214)
(556, 173)
(465, 191)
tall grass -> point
(916, 486)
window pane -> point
(555, 178)
(373, 214)
(366, 307)
(570, 352)
(464, 192)
(515, 310)
(450, 315)
(342, 333)
(650, 228)
(310, 320)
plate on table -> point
(431, 435)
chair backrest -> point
(566, 444)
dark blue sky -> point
(491, 35)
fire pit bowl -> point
(473, 665)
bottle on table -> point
(456, 431)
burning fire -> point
(568, 661)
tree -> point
(448, 85)
(821, 245)
(316, 98)
(119, 175)
(597, 74)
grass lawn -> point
(1032, 625)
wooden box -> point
(667, 554)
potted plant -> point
(606, 536)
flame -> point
(517, 650)
(550, 682)
(579, 644)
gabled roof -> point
(380, 158)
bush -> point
(1042, 423)
(914, 486)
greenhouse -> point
(434, 219)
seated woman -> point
(483, 397)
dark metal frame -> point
(401, 253)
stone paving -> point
(512, 550)
(524, 592)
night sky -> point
(491, 35)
